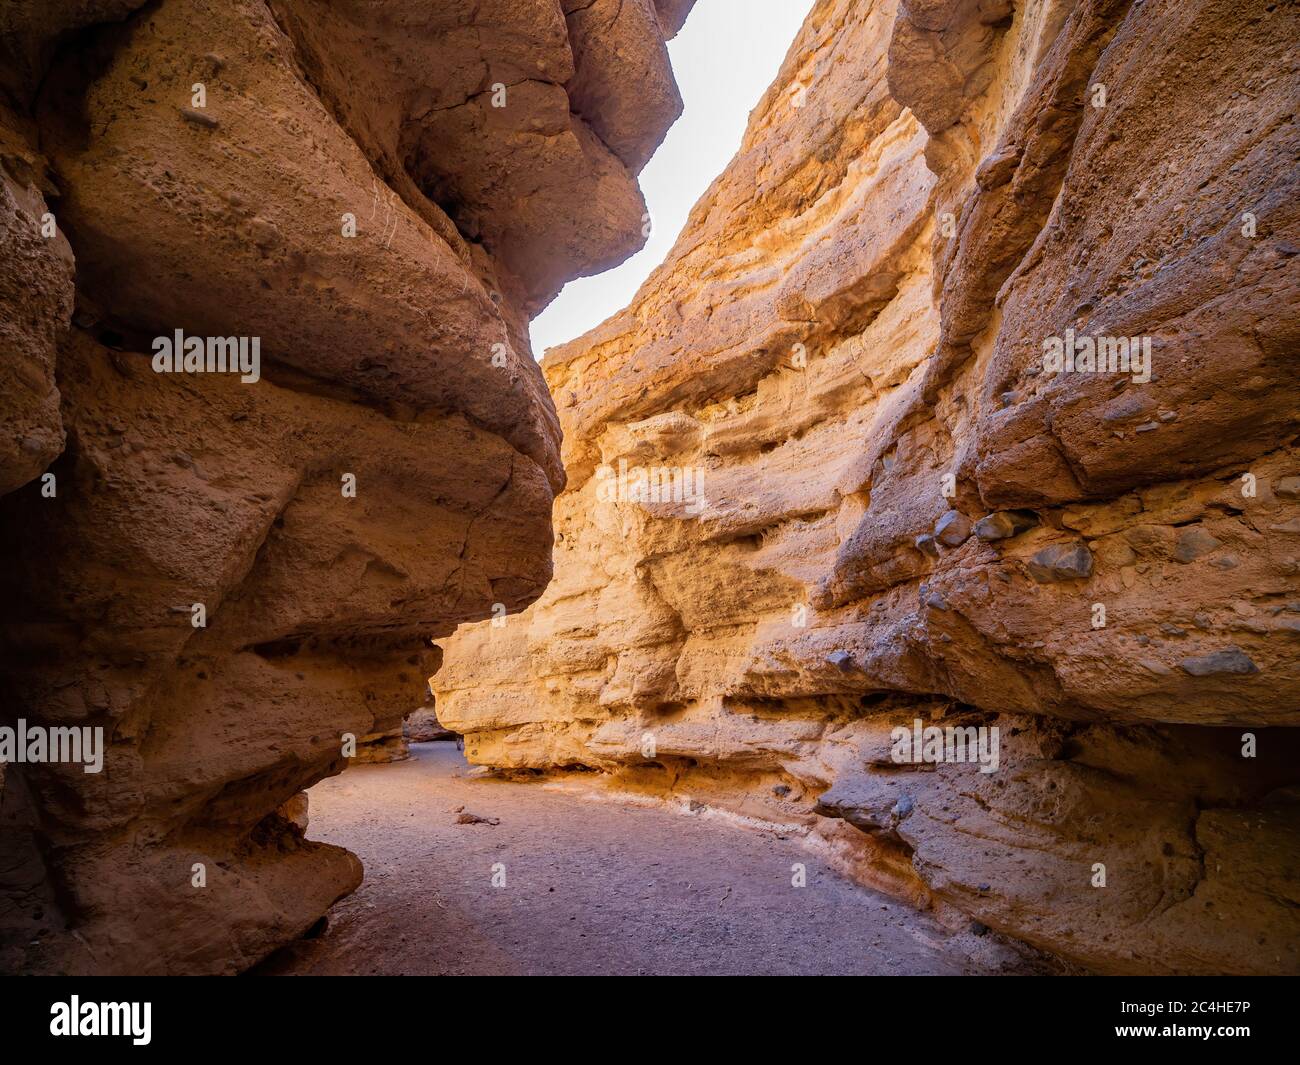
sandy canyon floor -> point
(590, 887)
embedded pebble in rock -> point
(953, 529)
(1288, 488)
(1004, 524)
(1194, 543)
(932, 599)
(925, 542)
(1231, 660)
(1061, 562)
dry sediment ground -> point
(590, 888)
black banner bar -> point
(330, 1015)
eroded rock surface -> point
(884, 506)
(232, 578)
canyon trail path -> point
(591, 887)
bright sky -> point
(726, 56)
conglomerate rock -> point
(826, 481)
(236, 575)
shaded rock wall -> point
(381, 194)
(908, 516)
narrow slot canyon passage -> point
(900, 576)
(591, 886)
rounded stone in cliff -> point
(841, 660)
(953, 529)
(1061, 562)
(1193, 543)
(1004, 524)
(1229, 660)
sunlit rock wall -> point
(872, 498)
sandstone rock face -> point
(825, 481)
(237, 580)
(36, 288)
(423, 726)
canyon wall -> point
(236, 579)
(826, 481)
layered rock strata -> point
(235, 576)
(831, 476)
